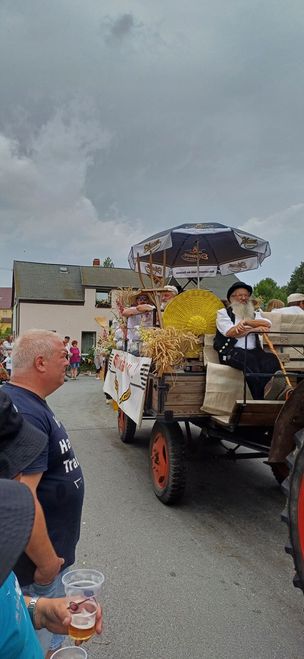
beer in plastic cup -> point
(83, 588)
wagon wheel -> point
(293, 514)
(126, 427)
(167, 462)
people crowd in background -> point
(295, 305)
(274, 304)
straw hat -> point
(136, 294)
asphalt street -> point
(208, 579)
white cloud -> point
(283, 229)
(45, 193)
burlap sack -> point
(224, 385)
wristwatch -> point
(31, 609)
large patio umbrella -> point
(198, 250)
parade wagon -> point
(198, 390)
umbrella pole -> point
(155, 295)
(164, 268)
(139, 272)
(197, 264)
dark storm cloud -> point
(122, 26)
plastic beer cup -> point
(83, 588)
(70, 653)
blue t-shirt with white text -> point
(61, 488)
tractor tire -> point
(167, 462)
(293, 513)
(126, 427)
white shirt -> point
(8, 362)
(288, 310)
(224, 324)
(137, 321)
(7, 346)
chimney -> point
(96, 263)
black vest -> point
(223, 343)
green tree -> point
(267, 289)
(108, 263)
(296, 282)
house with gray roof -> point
(77, 300)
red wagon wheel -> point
(293, 514)
(126, 427)
(167, 462)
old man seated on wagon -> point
(233, 324)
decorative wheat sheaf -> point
(166, 347)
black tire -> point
(293, 513)
(167, 462)
(126, 427)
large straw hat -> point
(135, 294)
(193, 311)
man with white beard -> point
(233, 325)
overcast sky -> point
(119, 119)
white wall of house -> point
(66, 319)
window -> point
(103, 299)
(88, 339)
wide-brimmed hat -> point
(295, 297)
(136, 294)
(17, 513)
(235, 286)
(20, 442)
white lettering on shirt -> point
(69, 465)
(65, 445)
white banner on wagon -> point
(126, 381)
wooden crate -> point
(181, 393)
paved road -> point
(206, 580)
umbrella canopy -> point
(197, 250)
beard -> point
(243, 310)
